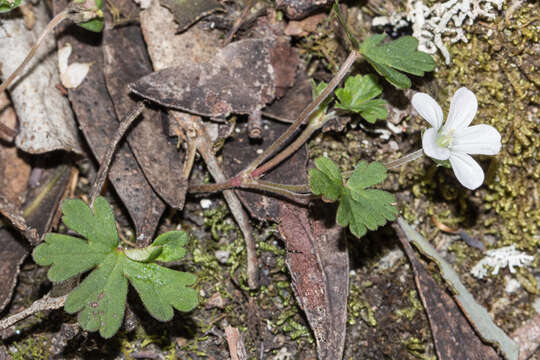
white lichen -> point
(500, 258)
(444, 20)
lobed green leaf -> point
(358, 96)
(359, 208)
(101, 297)
(400, 54)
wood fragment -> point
(237, 349)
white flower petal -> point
(428, 108)
(478, 139)
(467, 170)
(74, 75)
(431, 149)
(63, 56)
(462, 110)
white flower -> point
(73, 75)
(456, 140)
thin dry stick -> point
(45, 303)
(61, 16)
(107, 158)
(196, 133)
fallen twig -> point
(236, 344)
(45, 303)
(107, 158)
(196, 135)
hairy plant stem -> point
(61, 16)
(303, 117)
(404, 159)
(248, 178)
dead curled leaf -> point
(239, 79)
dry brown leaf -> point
(46, 122)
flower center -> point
(445, 140)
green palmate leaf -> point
(389, 58)
(359, 208)
(357, 96)
(326, 179)
(100, 299)
(8, 5)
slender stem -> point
(298, 189)
(405, 159)
(55, 21)
(45, 303)
(209, 188)
(288, 151)
(306, 113)
(107, 157)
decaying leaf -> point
(95, 113)
(188, 12)
(318, 261)
(453, 335)
(239, 79)
(167, 48)
(126, 60)
(46, 122)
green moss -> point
(411, 311)
(497, 68)
(35, 347)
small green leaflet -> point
(359, 208)
(101, 297)
(7, 5)
(358, 96)
(389, 57)
(401, 54)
